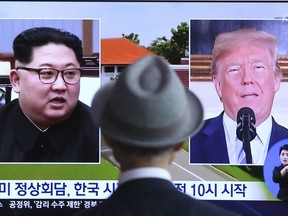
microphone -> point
(246, 130)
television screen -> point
(115, 34)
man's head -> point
(147, 107)
(43, 100)
(245, 71)
(283, 153)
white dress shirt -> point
(259, 145)
(145, 172)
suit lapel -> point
(278, 133)
(216, 142)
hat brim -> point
(191, 124)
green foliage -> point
(238, 173)
(172, 49)
(132, 37)
(186, 145)
(176, 47)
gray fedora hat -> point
(147, 106)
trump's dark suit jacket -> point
(153, 197)
(209, 144)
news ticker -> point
(101, 189)
(47, 204)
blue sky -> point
(148, 19)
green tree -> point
(176, 47)
(159, 46)
(132, 37)
(181, 38)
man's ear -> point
(277, 80)
(217, 85)
(15, 80)
(178, 147)
(109, 141)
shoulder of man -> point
(93, 211)
(279, 127)
(82, 106)
(202, 207)
(84, 112)
(211, 126)
(207, 208)
(82, 109)
(6, 111)
(9, 107)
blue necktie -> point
(240, 155)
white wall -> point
(212, 105)
(12, 27)
(88, 88)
